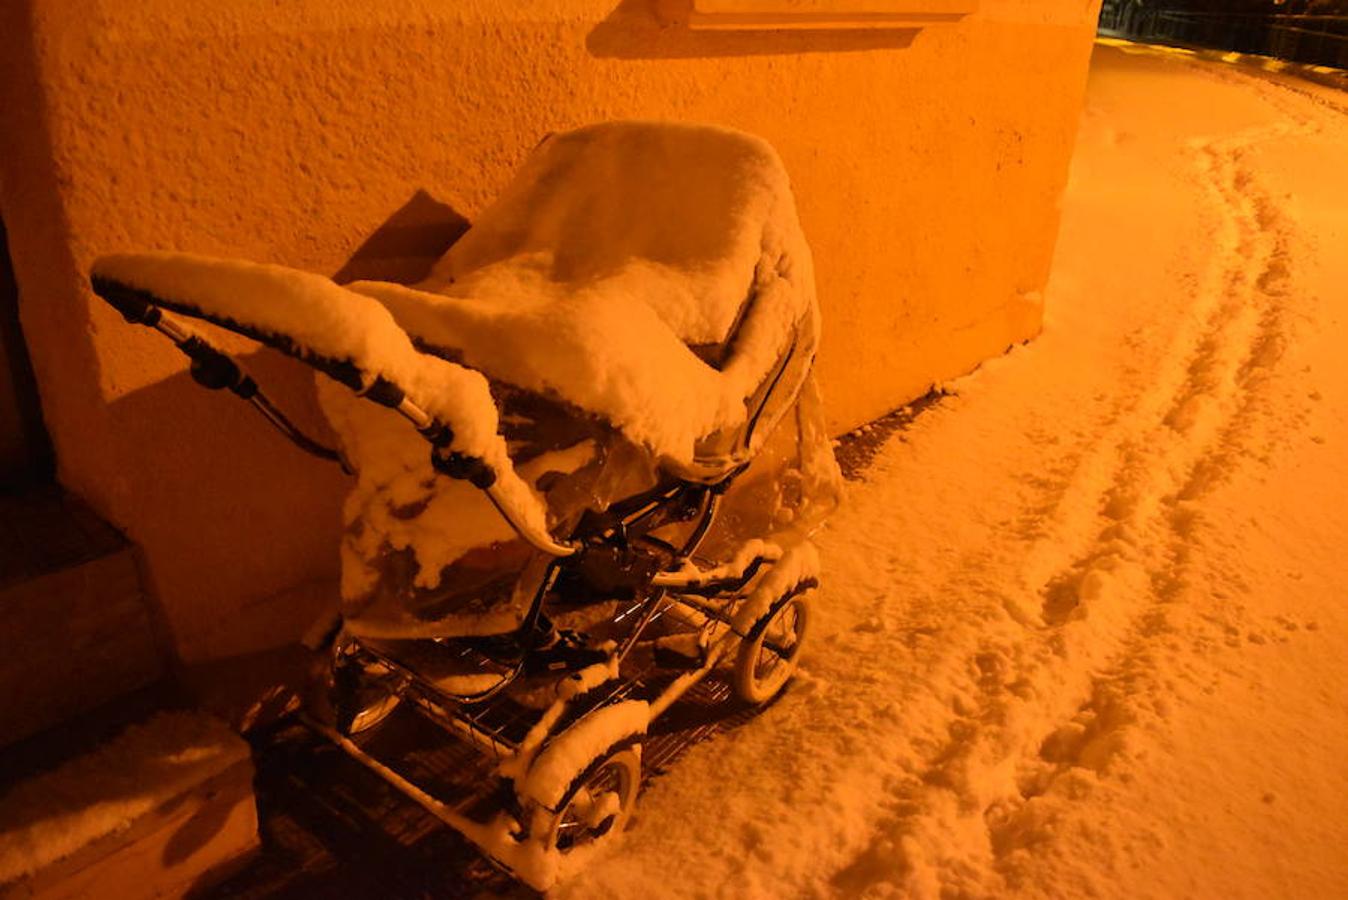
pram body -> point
(611, 372)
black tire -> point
(769, 655)
(599, 802)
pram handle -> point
(211, 368)
(214, 369)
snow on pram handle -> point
(489, 468)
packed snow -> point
(48, 817)
(1081, 628)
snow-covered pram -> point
(616, 459)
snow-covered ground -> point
(1085, 623)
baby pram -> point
(615, 460)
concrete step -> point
(74, 618)
(163, 808)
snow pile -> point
(58, 812)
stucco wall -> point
(927, 166)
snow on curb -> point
(53, 814)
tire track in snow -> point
(1251, 423)
(1103, 605)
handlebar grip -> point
(383, 392)
(135, 306)
(462, 466)
(210, 368)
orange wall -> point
(927, 166)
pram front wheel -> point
(769, 654)
(599, 802)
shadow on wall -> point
(404, 248)
(632, 31)
(211, 468)
(224, 504)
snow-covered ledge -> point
(801, 14)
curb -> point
(1324, 75)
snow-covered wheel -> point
(769, 654)
(580, 791)
(597, 805)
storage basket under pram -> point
(614, 461)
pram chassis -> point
(484, 722)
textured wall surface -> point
(927, 166)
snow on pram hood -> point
(617, 247)
(321, 319)
(691, 211)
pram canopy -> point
(651, 276)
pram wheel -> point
(373, 706)
(600, 801)
(768, 656)
(339, 696)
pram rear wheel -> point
(373, 707)
(768, 656)
(370, 706)
(366, 702)
(599, 801)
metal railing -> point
(1318, 39)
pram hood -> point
(649, 273)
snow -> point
(679, 217)
(569, 753)
(51, 815)
(750, 551)
(1080, 632)
(393, 473)
(616, 247)
(796, 565)
(319, 317)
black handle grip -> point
(462, 466)
(135, 306)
